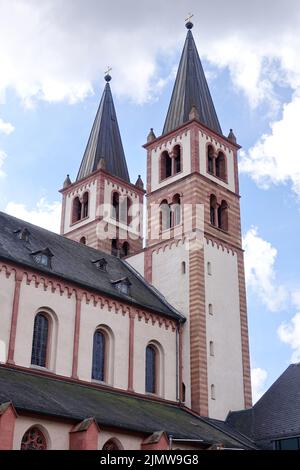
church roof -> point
(191, 89)
(75, 262)
(276, 414)
(105, 141)
(33, 393)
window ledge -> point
(34, 366)
(220, 229)
(78, 221)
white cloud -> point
(260, 257)
(46, 215)
(258, 380)
(289, 333)
(54, 50)
(6, 127)
(275, 157)
(2, 158)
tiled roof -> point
(105, 142)
(191, 89)
(276, 414)
(73, 261)
(32, 392)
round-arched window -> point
(34, 439)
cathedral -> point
(118, 336)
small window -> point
(114, 247)
(100, 264)
(176, 209)
(165, 216)
(223, 216)
(125, 249)
(211, 348)
(116, 206)
(85, 205)
(210, 160)
(183, 267)
(34, 439)
(210, 309)
(123, 285)
(212, 392)
(82, 240)
(213, 209)
(209, 271)
(166, 165)
(76, 211)
(183, 388)
(221, 166)
(23, 234)
(43, 257)
(177, 158)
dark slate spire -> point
(105, 141)
(190, 90)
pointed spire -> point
(67, 182)
(105, 141)
(191, 89)
(139, 183)
(231, 136)
(151, 136)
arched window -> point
(151, 369)
(183, 267)
(165, 216)
(33, 439)
(125, 249)
(165, 165)
(210, 160)
(213, 209)
(99, 353)
(112, 444)
(125, 210)
(76, 211)
(82, 240)
(40, 340)
(223, 215)
(114, 247)
(85, 205)
(221, 166)
(176, 209)
(177, 159)
(116, 206)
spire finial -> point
(188, 23)
(107, 76)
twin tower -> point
(192, 252)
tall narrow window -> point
(114, 247)
(33, 439)
(176, 208)
(177, 158)
(85, 205)
(221, 166)
(99, 351)
(116, 206)
(125, 249)
(166, 165)
(183, 267)
(212, 392)
(40, 340)
(165, 216)
(209, 268)
(76, 211)
(151, 366)
(223, 216)
(213, 206)
(210, 160)
(82, 240)
(211, 348)
(210, 309)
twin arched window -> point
(119, 249)
(80, 209)
(170, 163)
(216, 163)
(170, 214)
(121, 208)
(218, 213)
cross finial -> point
(188, 22)
(107, 76)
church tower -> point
(192, 188)
(102, 208)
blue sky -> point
(52, 57)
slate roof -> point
(190, 89)
(276, 414)
(32, 392)
(105, 141)
(73, 261)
